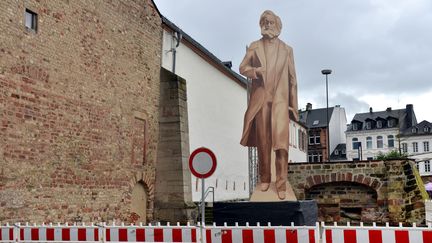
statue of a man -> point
(269, 62)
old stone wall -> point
(78, 109)
(384, 191)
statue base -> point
(277, 213)
(271, 194)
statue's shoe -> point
(281, 195)
(265, 186)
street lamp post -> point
(326, 72)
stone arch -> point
(343, 177)
(143, 181)
(139, 201)
(345, 201)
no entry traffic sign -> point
(202, 162)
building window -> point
(380, 143)
(311, 139)
(355, 126)
(426, 129)
(336, 152)
(427, 166)
(415, 147)
(369, 142)
(310, 158)
(379, 124)
(368, 125)
(417, 166)
(31, 20)
(355, 143)
(391, 123)
(314, 139)
(404, 147)
(390, 140)
(426, 146)
(317, 139)
(369, 158)
(414, 130)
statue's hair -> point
(269, 12)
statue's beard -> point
(269, 33)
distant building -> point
(416, 141)
(372, 133)
(316, 122)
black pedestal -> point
(277, 213)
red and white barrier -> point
(7, 233)
(373, 234)
(151, 234)
(258, 234)
(45, 233)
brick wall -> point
(78, 109)
(396, 190)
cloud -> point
(374, 47)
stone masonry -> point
(78, 109)
(368, 191)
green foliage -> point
(394, 154)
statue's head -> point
(270, 24)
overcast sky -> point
(380, 51)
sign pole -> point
(202, 164)
(202, 208)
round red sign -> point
(202, 162)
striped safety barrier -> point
(56, 233)
(266, 234)
(151, 234)
(7, 233)
(373, 234)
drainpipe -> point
(177, 36)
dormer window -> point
(391, 123)
(355, 126)
(426, 129)
(414, 130)
(336, 152)
(368, 125)
(379, 124)
(316, 122)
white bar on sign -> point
(258, 235)
(388, 235)
(149, 234)
(362, 235)
(167, 234)
(415, 235)
(237, 235)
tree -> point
(394, 154)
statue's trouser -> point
(264, 147)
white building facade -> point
(416, 142)
(216, 100)
(373, 133)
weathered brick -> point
(69, 98)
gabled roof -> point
(362, 117)
(203, 51)
(420, 129)
(340, 156)
(316, 117)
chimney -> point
(409, 115)
(370, 110)
(227, 64)
(308, 107)
(389, 109)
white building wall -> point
(423, 156)
(216, 105)
(374, 151)
(296, 152)
(337, 127)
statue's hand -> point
(260, 71)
